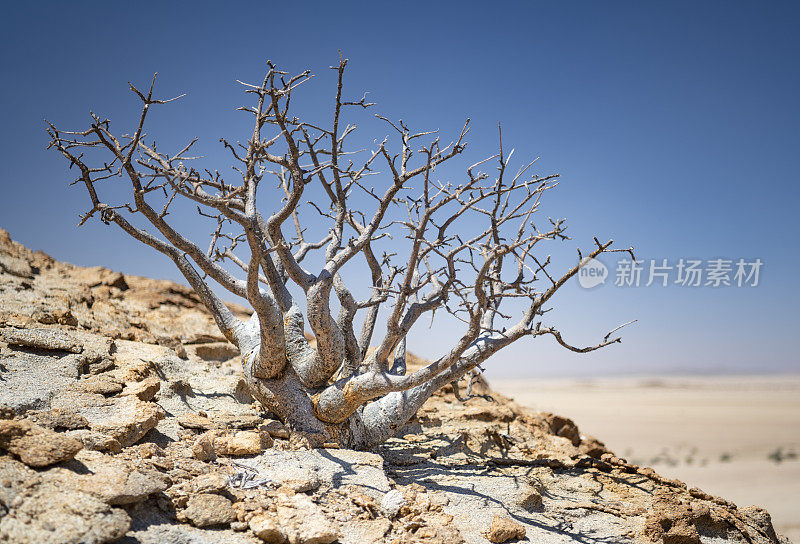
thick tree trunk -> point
(291, 398)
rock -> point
(489, 412)
(92, 440)
(15, 267)
(363, 471)
(504, 529)
(14, 477)
(681, 533)
(36, 446)
(203, 447)
(761, 519)
(242, 421)
(391, 503)
(58, 420)
(215, 351)
(266, 528)
(145, 390)
(46, 339)
(592, 447)
(48, 515)
(53, 316)
(302, 480)
(181, 388)
(562, 426)
(127, 420)
(102, 384)
(274, 428)
(116, 280)
(370, 531)
(212, 482)
(303, 522)
(195, 421)
(530, 497)
(117, 482)
(208, 509)
(238, 444)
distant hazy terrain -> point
(734, 436)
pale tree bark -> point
(471, 244)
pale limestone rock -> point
(102, 384)
(391, 503)
(113, 480)
(36, 446)
(58, 420)
(51, 515)
(46, 339)
(127, 420)
(212, 482)
(238, 444)
(266, 527)
(145, 390)
(196, 421)
(92, 440)
(303, 522)
(504, 529)
(208, 509)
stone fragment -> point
(266, 527)
(391, 503)
(117, 482)
(58, 420)
(101, 384)
(94, 441)
(145, 390)
(15, 267)
(127, 420)
(116, 279)
(48, 515)
(34, 445)
(563, 426)
(203, 447)
(47, 339)
(504, 529)
(238, 444)
(275, 428)
(303, 522)
(208, 509)
(212, 482)
(195, 421)
(215, 351)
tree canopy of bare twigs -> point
(472, 245)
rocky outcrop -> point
(123, 418)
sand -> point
(733, 436)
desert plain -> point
(736, 436)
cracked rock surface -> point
(123, 418)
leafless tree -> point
(470, 249)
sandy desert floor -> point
(733, 436)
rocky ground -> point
(123, 419)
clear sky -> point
(674, 127)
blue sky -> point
(674, 127)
